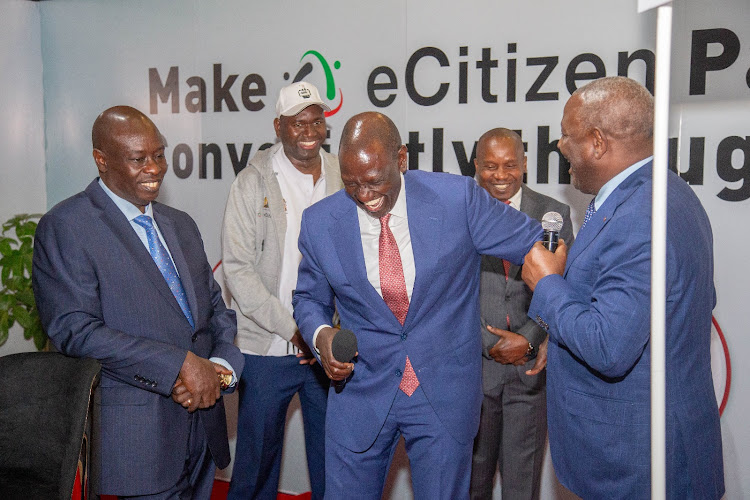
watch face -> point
(224, 380)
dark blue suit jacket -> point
(451, 221)
(100, 295)
(598, 381)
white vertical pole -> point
(659, 252)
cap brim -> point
(303, 105)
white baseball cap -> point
(296, 97)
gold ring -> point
(189, 402)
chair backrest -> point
(45, 399)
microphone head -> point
(552, 221)
(344, 346)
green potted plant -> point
(16, 295)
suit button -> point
(403, 336)
(195, 337)
(398, 373)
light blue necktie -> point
(165, 265)
(590, 210)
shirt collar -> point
(615, 181)
(515, 200)
(128, 209)
(291, 170)
(399, 209)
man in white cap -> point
(260, 257)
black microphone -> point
(552, 222)
(343, 348)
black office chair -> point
(46, 414)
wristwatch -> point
(530, 352)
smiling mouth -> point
(501, 187)
(151, 185)
(308, 144)
(375, 205)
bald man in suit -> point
(124, 279)
(513, 425)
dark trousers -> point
(266, 388)
(512, 437)
(197, 480)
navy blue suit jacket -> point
(100, 295)
(452, 222)
(598, 380)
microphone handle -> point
(549, 240)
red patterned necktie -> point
(506, 268)
(393, 287)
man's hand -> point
(510, 348)
(541, 358)
(182, 396)
(336, 370)
(540, 262)
(180, 393)
(198, 376)
(305, 354)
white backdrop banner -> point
(208, 74)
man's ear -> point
(601, 144)
(277, 127)
(101, 160)
(403, 163)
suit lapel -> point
(114, 219)
(605, 213)
(425, 229)
(166, 226)
(347, 240)
(531, 207)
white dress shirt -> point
(369, 230)
(298, 191)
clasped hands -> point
(511, 349)
(197, 385)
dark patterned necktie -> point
(590, 211)
(165, 265)
(393, 287)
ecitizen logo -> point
(331, 89)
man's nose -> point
(153, 165)
(364, 194)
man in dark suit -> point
(596, 309)
(513, 425)
(399, 255)
(123, 279)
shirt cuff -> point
(223, 362)
(315, 337)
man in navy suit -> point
(596, 309)
(397, 254)
(123, 279)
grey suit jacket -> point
(498, 298)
